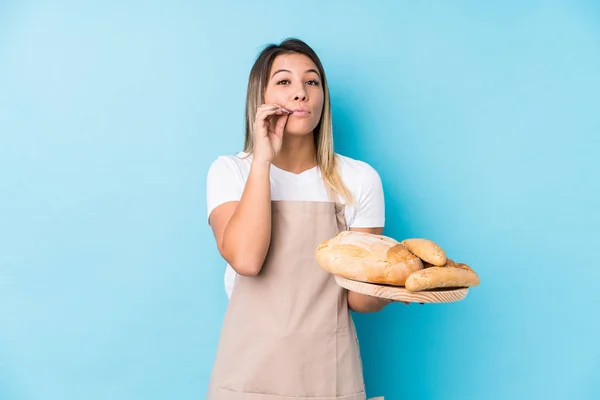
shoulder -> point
(364, 182)
(357, 173)
(237, 161)
(237, 165)
(226, 179)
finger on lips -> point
(278, 108)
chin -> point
(299, 129)
(292, 132)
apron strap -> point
(335, 198)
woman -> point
(287, 332)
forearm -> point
(248, 233)
(362, 303)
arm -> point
(242, 228)
(362, 303)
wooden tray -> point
(397, 293)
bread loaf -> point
(426, 250)
(442, 277)
(367, 257)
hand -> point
(268, 131)
(388, 301)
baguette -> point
(442, 277)
(368, 258)
(426, 250)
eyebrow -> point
(287, 70)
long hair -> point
(323, 133)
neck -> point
(297, 154)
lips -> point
(300, 111)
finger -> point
(269, 106)
(270, 109)
(273, 107)
(263, 115)
(269, 117)
(280, 125)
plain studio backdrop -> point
(482, 118)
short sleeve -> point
(224, 182)
(370, 212)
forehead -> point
(295, 63)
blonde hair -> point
(327, 160)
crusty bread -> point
(463, 266)
(367, 257)
(426, 250)
(442, 277)
(449, 263)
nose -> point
(300, 94)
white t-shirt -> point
(228, 174)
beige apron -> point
(287, 332)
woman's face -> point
(295, 84)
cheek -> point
(319, 105)
(274, 97)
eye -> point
(314, 83)
(283, 82)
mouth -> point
(300, 111)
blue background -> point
(483, 119)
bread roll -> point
(441, 277)
(463, 266)
(367, 257)
(449, 263)
(426, 250)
